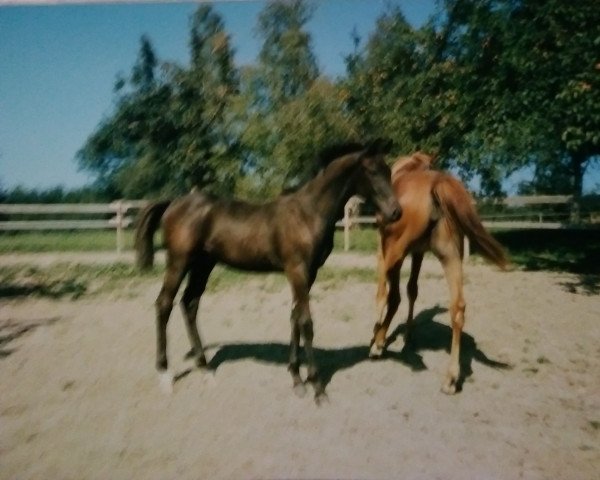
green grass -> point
(74, 281)
(577, 252)
(557, 250)
(70, 280)
(78, 280)
(361, 240)
(574, 251)
(63, 241)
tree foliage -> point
(286, 60)
(169, 131)
(493, 86)
(287, 111)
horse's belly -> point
(254, 264)
(244, 256)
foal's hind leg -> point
(412, 291)
(294, 366)
(453, 270)
(190, 301)
(164, 304)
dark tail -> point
(457, 205)
(148, 222)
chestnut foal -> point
(437, 212)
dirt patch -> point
(80, 396)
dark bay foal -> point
(292, 234)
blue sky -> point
(59, 65)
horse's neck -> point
(335, 185)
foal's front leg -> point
(393, 302)
(294, 366)
(302, 324)
(306, 329)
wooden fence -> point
(570, 219)
(122, 215)
(121, 211)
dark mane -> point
(322, 160)
(376, 146)
(330, 153)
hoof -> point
(450, 387)
(209, 378)
(300, 390)
(376, 351)
(165, 380)
(201, 362)
(321, 399)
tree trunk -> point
(577, 169)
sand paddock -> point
(80, 396)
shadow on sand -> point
(11, 330)
(428, 335)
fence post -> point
(347, 225)
(120, 216)
(574, 214)
(466, 249)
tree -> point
(124, 149)
(206, 150)
(288, 65)
(170, 132)
(283, 81)
(309, 123)
(387, 83)
(534, 66)
(491, 85)
(556, 57)
(413, 86)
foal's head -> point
(374, 182)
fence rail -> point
(122, 215)
(118, 209)
(500, 221)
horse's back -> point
(181, 220)
(418, 161)
(413, 190)
(419, 212)
(234, 232)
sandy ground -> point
(80, 396)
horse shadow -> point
(12, 330)
(428, 335)
(329, 361)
